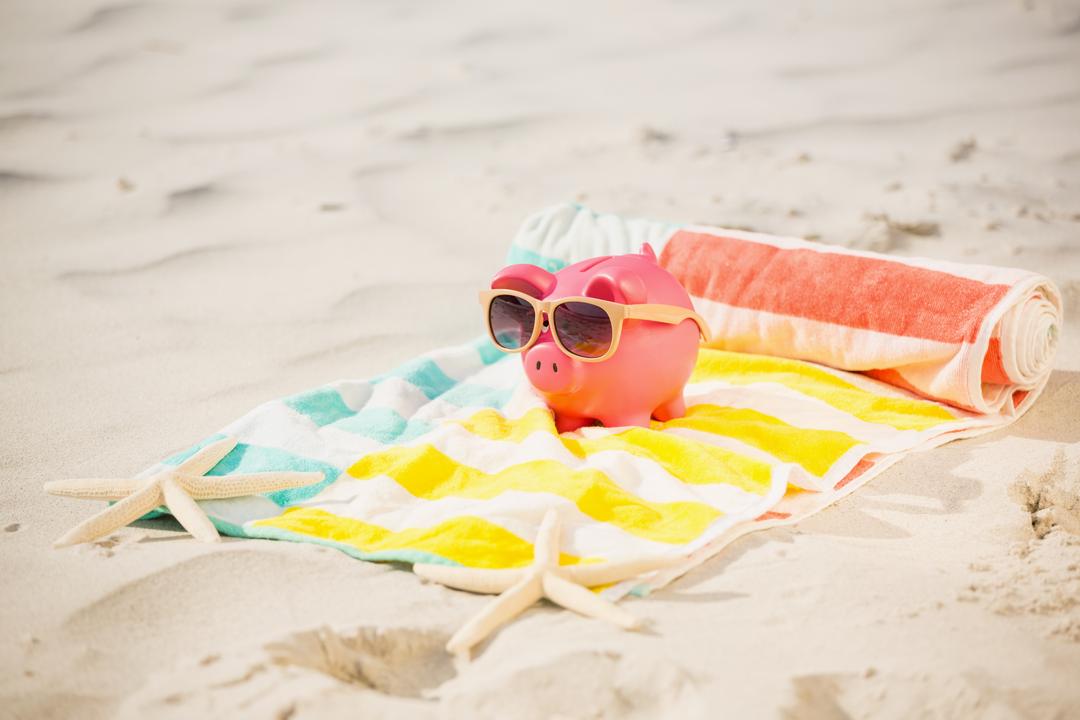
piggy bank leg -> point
(570, 423)
(672, 409)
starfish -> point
(177, 488)
(565, 585)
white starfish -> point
(177, 488)
(564, 585)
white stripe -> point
(242, 509)
(572, 233)
(798, 476)
(505, 373)
(399, 395)
(881, 388)
(383, 502)
(276, 425)
(794, 408)
(757, 331)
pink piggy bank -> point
(610, 339)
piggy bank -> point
(610, 339)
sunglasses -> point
(582, 327)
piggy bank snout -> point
(550, 370)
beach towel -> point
(826, 366)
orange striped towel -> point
(977, 337)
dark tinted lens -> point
(511, 320)
(583, 329)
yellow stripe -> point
(803, 377)
(690, 461)
(427, 473)
(493, 425)
(466, 540)
(815, 450)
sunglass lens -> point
(511, 320)
(584, 329)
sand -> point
(207, 205)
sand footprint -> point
(397, 661)
(1052, 496)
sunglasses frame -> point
(617, 314)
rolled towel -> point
(979, 337)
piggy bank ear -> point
(529, 279)
(617, 285)
(647, 251)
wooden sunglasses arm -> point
(670, 314)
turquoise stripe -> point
(246, 458)
(424, 374)
(384, 425)
(403, 556)
(227, 528)
(322, 406)
(254, 458)
(489, 354)
(272, 533)
(387, 426)
(470, 395)
(518, 254)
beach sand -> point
(205, 205)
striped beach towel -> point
(827, 366)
